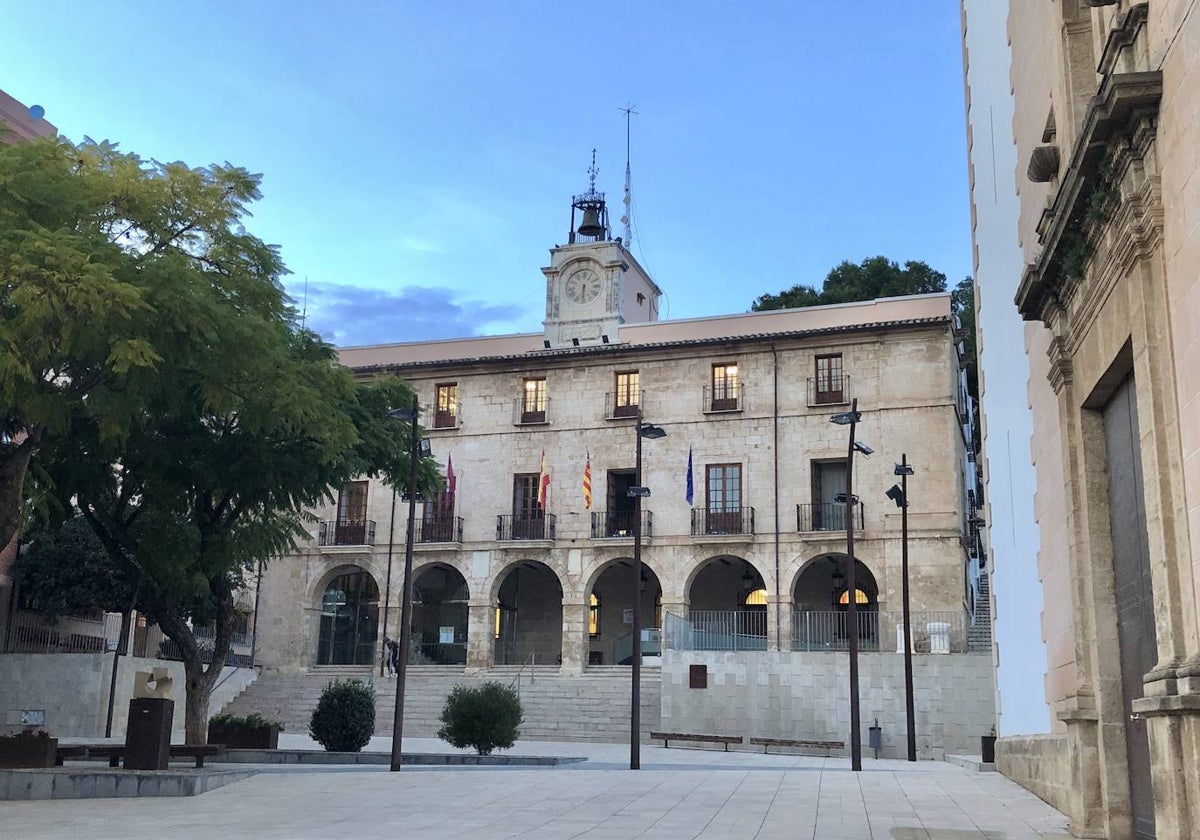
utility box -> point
(875, 737)
(148, 736)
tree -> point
(202, 458)
(962, 303)
(67, 571)
(875, 277)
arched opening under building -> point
(727, 607)
(821, 598)
(349, 619)
(439, 618)
(610, 614)
(527, 623)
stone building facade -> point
(1107, 98)
(753, 559)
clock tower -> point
(593, 284)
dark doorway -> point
(619, 513)
(1136, 634)
(349, 620)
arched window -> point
(757, 598)
(860, 597)
(594, 616)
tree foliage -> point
(211, 422)
(344, 718)
(875, 277)
(67, 570)
(483, 717)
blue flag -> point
(691, 487)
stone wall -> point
(807, 696)
(1038, 763)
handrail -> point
(516, 681)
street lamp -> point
(387, 586)
(637, 493)
(851, 418)
(899, 495)
(417, 448)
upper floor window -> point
(725, 388)
(626, 394)
(352, 502)
(533, 401)
(445, 411)
(829, 384)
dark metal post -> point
(909, 712)
(852, 601)
(635, 689)
(387, 587)
(406, 597)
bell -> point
(591, 223)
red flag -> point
(543, 483)
(451, 483)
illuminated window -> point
(496, 629)
(756, 598)
(445, 414)
(860, 597)
(594, 616)
(626, 395)
(533, 401)
(725, 391)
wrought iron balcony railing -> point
(525, 527)
(722, 522)
(346, 532)
(618, 524)
(439, 529)
(827, 516)
(828, 390)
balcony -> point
(827, 516)
(722, 399)
(439, 529)
(511, 527)
(618, 406)
(828, 390)
(346, 532)
(446, 418)
(715, 523)
(619, 525)
(530, 413)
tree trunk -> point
(14, 463)
(199, 691)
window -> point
(828, 482)
(626, 394)
(724, 498)
(829, 381)
(757, 598)
(725, 389)
(533, 401)
(351, 525)
(860, 597)
(445, 412)
(528, 519)
(594, 616)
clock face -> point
(583, 286)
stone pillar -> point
(574, 635)
(481, 635)
(779, 635)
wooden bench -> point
(69, 751)
(667, 737)
(767, 743)
(115, 752)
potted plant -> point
(987, 746)
(30, 748)
(252, 732)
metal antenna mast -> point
(627, 200)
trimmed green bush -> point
(485, 717)
(344, 719)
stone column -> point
(481, 635)
(574, 635)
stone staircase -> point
(593, 706)
(979, 634)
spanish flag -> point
(543, 483)
(587, 483)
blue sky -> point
(419, 158)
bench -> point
(115, 752)
(667, 737)
(767, 743)
(69, 751)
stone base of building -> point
(1038, 763)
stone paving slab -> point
(678, 794)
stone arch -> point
(439, 618)
(820, 599)
(347, 602)
(527, 601)
(609, 596)
(719, 617)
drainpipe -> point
(775, 454)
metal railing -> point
(715, 630)
(932, 632)
(722, 522)
(529, 527)
(619, 524)
(209, 632)
(722, 398)
(439, 529)
(615, 409)
(531, 413)
(29, 633)
(828, 390)
(651, 646)
(437, 653)
(827, 516)
(346, 532)
(169, 650)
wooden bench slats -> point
(667, 737)
(115, 752)
(767, 743)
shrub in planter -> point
(252, 732)
(344, 719)
(483, 717)
(32, 748)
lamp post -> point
(899, 495)
(414, 452)
(637, 493)
(850, 418)
(387, 586)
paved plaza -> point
(678, 793)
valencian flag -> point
(543, 483)
(690, 493)
(587, 483)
